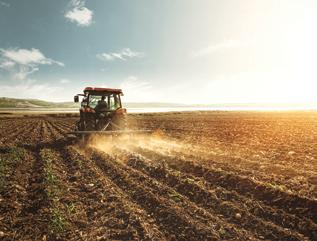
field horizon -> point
(7, 104)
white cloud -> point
(30, 89)
(7, 64)
(4, 4)
(124, 55)
(27, 57)
(23, 62)
(64, 81)
(228, 44)
(133, 83)
(24, 71)
(79, 13)
(136, 89)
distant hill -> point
(33, 103)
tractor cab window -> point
(114, 102)
(93, 100)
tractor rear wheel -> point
(121, 122)
(90, 123)
(124, 122)
(80, 126)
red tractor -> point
(101, 111)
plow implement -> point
(110, 129)
(116, 132)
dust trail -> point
(156, 141)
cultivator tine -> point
(106, 126)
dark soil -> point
(199, 176)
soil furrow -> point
(27, 132)
(115, 211)
(172, 218)
(208, 200)
(257, 208)
(33, 220)
(57, 128)
(303, 207)
(258, 167)
(64, 126)
(55, 133)
(10, 138)
(13, 184)
(190, 208)
(46, 134)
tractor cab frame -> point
(91, 97)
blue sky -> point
(183, 51)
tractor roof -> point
(97, 90)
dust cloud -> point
(156, 141)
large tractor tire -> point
(80, 126)
(124, 122)
(121, 122)
(90, 123)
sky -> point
(181, 51)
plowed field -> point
(198, 176)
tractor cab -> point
(93, 96)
